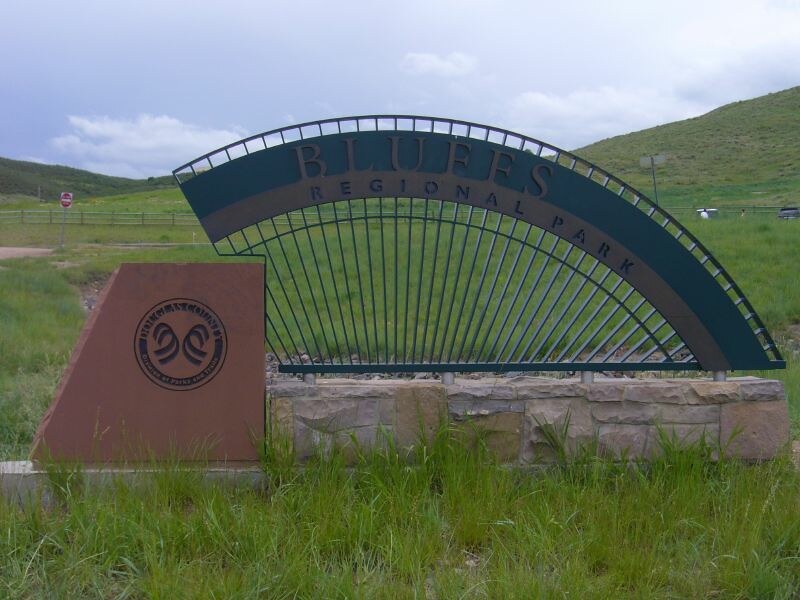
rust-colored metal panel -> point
(169, 365)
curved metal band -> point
(639, 241)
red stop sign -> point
(66, 199)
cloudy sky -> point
(138, 88)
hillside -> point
(745, 152)
(27, 178)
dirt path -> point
(11, 252)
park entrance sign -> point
(393, 244)
(403, 243)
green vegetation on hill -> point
(31, 179)
(745, 153)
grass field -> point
(450, 523)
(41, 315)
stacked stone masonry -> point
(746, 417)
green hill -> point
(745, 153)
(742, 153)
(22, 178)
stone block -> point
(462, 409)
(624, 412)
(336, 414)
(321, 424)
(501, 432)
(530, 388)
(555, 412)
(292, 388)
(754, 430)
(421, 410)
(761, 390)
(622, 440)
(309, 442)
(656, 391)
(387, 411)
(714, 392)
(606, 391)
(687, 414)
(282, 412)
(481, 391)
(354, 390)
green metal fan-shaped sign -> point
(436, 209)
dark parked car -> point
(789, 212)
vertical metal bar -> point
(509, 278)
(490, 295)
(408, 277)
(456, 279)
(297, 288)
(358, 273)
(346, 282)
(429, 305)
(639, 325)
(557, 320)
(535, 248)
(383, 279)
(487, 262)
(396, 271)
(543, 267)
(591, 318)
(267, 296)
(645, 338)
(419, 281)
(568, 327)
(442, 300)
(267, 341)
(650, 352)
(318, 315)
(323, 286)
(289, 304)
(613, 332)
(247, 245)
(542, 299)
(481, 229)
(371, 282)
(335, 288)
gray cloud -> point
(140, 147)
(455, 64)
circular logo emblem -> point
(180, 344)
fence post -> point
(142, 218)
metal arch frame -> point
(503, 138)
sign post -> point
(652, 161)
(66, 202)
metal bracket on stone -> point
(720, 375)
(448, 378)
(587, 377)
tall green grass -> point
(449, 523)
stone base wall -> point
(746, 417)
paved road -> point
(11, 252)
